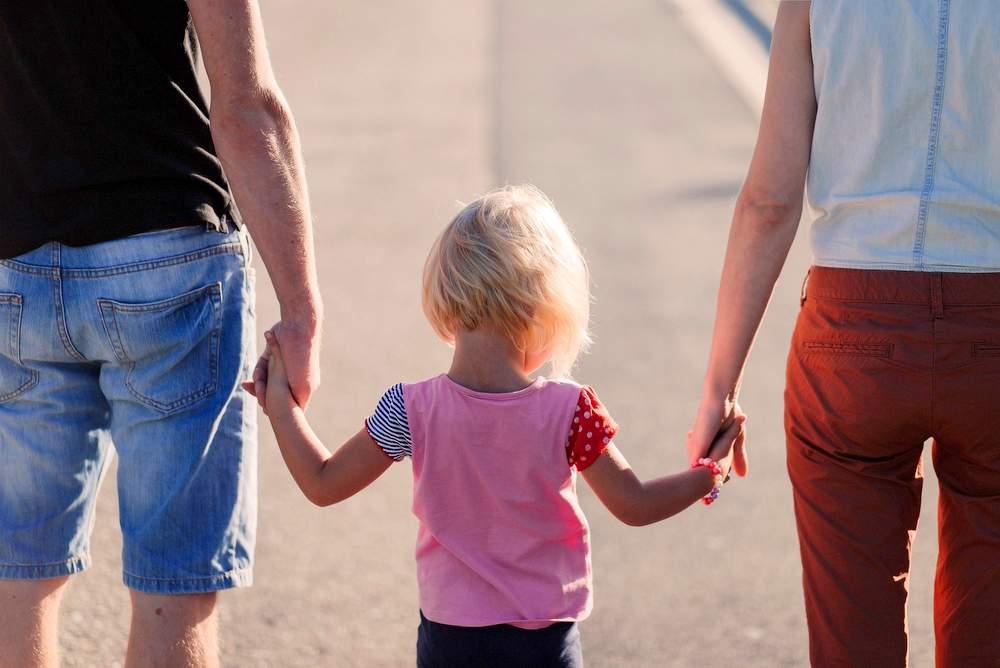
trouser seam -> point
(60, 307)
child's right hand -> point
(724, 444)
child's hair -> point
(508, 261)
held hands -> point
(301, 362)
(714, 420)
(271, 383)
(729, 442)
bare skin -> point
(258, 144)
(764, 224)
(29, 611)
(168, 631)
(484, 361)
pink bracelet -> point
(717, 479)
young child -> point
(503, 548)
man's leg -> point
(29, 611)
(52, 455)
(172, 631)
(179, 341)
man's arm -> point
(258, 145)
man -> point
(126, 305)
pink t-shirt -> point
(502, 537)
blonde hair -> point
(508, 261)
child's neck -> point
(485, 361)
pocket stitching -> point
(28, 384)
(215, 289)
(14, 345)
(985, 349)
(110, 307)
(849, 348)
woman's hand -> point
(729, 445)
(714, 418)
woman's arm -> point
(325, 479)
(639, 503)
(764, 223)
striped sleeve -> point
(388, 426)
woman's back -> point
(886, 106)
(904, 173)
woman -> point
(889, 109)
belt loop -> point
(222, 226)
(802, 292)
(937, 295)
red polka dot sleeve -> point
(591, 430)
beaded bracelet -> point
(717, 479)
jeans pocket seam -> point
(27, 385)
(206, 390)
(16, 302)
(109, 308)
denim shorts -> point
(138, 345)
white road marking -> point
(731, 44)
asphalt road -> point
(406, 109)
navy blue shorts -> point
(500, 646)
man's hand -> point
(258, 144)
(714, 418)
(300, 351)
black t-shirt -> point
(104, 128)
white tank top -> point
(905, 167)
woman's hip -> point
(880, 361)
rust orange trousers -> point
(880, 362)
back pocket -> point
(15, 378)
(170, 348)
